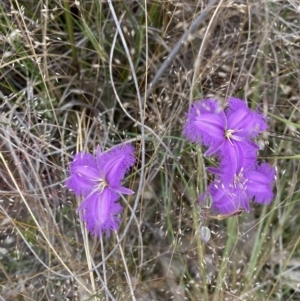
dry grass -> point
(78, 74)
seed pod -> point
(205, 234)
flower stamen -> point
(229, 134)
(101, 185)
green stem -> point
(71, 34)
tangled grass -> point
(79, 74)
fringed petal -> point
(114, 164)
(100, 212)
(225, 199)
(235, 156)
(83, 172)
(260, 183)
(246, 122)
(205, 122)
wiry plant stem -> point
(127, 275)
(37, 223)
(71, 34)
(178, 45)
(103, 267)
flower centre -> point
(228, 134)
(239, 180)
(101, 184)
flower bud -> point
(205, 234)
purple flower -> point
(226, 133)
(255, 183)
(229, 135)
(98, 179)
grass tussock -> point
(77, 74)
